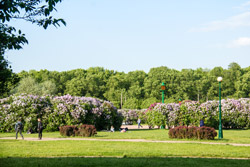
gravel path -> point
(126, 140)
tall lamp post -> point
(179, 101)
(219, 79)
(163, 89)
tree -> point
(153, 81)
(30, 86)
(27, 85)
(35, 11)
(138, 89)
(135, 81)
(96, 79)
(48, 88)
(5, 75)
(213, 90)
(76, 87)
(233, 74)
(131, 103)
(243, 86)
(147, 102)
(9, 40)
(116, 86)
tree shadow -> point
(121, 162)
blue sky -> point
(128, 35)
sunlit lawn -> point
(35, 153)
(72, 148)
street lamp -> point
(179, 101)
(163, 89)
(219, 79)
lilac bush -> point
(72, 110)
(170, 112)
(57, 111)
(130, 116)
(235, 113)
(28, 107)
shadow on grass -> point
(121, 162)
(219, 140)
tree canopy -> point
(34, 11)
(138, 89)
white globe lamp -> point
(219, 79)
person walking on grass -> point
(139, 123)
(40, 129)
(19, 128)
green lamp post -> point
(219, 79)
(179, 101)
(163, 89)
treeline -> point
(135, 89)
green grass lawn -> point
(73, 148)
(230, 136)
(121, 162)
(71, 152)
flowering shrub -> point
(235, 113)
(130, 116)
(27, 107)
(182, 132)
(155, 118)
(57, 111)
(170, 111)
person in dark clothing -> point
(202, 123)
(19, 128)
(40, 129)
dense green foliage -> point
(34, 11)
(138, 89)
(30, 86)
(5, 76)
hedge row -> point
(83, 130)
(184, 132)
